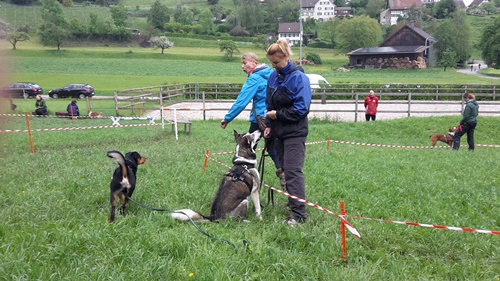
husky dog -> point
(239, 183)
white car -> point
(317, 81)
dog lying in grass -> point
(446, 138)
(96, 114)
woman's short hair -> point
(280, 47)
(469, 96)
(250, 57)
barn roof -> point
(388, 50)
(420, 32)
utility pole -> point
(301, 32)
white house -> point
(397, 8)
(320, 10)
(289, 31)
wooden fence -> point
(398, 99)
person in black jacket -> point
(288, 101)
(72, 109)
(468, 122)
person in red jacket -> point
(371, 104)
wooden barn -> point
(408, 48)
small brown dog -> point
(95, 115)
(447, 138)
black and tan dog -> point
(240, 182)
(446, 138)
(124, 178)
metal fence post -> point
(356, 108)
(116, 103)
(409, 103)
(204, 112)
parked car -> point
(73, 90)
(317, 81)
(21, 90)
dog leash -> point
(270, 194)
(245, 242)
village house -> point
(396, 9)
(320, 10)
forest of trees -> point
(250, 18)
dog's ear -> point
(236, 134)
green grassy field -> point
(55, 202)
(55, 205)
(117, 68)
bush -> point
(314, 58)
(239, 31)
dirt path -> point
(475, 68)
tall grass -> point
(55, 206)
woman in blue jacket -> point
(254, 90)
(72, 109)
(288, 102)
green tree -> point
(339, 3)
(489, 8)
(462, 36)
(453, 35)
(17, 36)
(444, 8)
(251, 16)
(99, 27)
(183, 15)
(161, 42)
(218, 11)
(414, 14)
(358, 6)
(55, 29)
(289, 11)
(309, 26)
(490, 44)
(327, 30)
(119, 15)
(358, 32)
(229, 48)
(158, 15)
(447, 59)
(375, 7)
(206, 20)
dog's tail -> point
(187, 215)
(121, 161)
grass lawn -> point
(55, 202)
(55, 205)
(117, 68)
